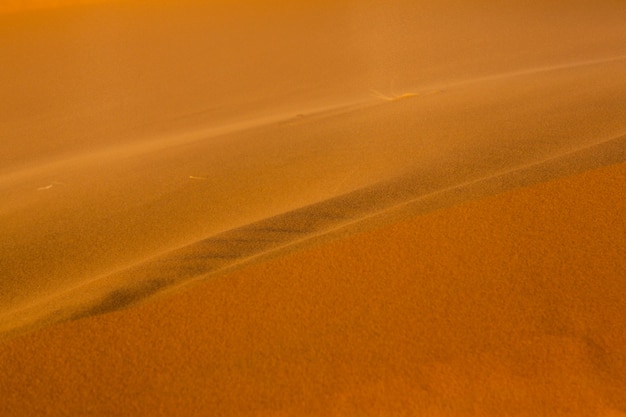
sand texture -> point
(313, 208)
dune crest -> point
(358, 210)
(314, 173)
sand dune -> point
(177, 151)
(508, 304)
(313, 173)
(285, 232)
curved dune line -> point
(164, 141)
(542, 69)
(364, 208)
(480, 159)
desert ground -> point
(246, 208)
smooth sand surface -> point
(507, 305)
(312, 208)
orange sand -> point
(410, 207)
(509, 305)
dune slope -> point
(348, 207)
(510, 304)
(82, 228)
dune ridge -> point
(169, 132)
(358, 210)
(321, 169)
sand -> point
(507, 305)
(349, 208)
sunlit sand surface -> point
(347, 208)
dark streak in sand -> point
(123, 298)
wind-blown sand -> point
(508, 305)
(350, 208)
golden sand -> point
(312, 208)
(511, 304)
